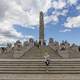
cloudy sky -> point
(19, 19)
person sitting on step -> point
(47, 59)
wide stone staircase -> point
(36, 69)
(39, 53)
(30, 66)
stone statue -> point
(51, 40)
(9, 45)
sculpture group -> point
(38, 48)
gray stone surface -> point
(38, 66)
(39, 76)
(35, 69)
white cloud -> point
(55, 16)
(22, 12)
(29, 36)
(72, 22)
(72, 2)
(25, 13)
(7, 29)
(4, 40)
(78, 7)
(66, 30)
(58, 13)
(50, 18)
(60, 4)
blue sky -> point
(19, 19)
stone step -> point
(38, 66)
(38, 53)
(32, 64)
(39, 63)
(52, 63)
(39, 72)
(39, 76)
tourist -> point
(47, 59)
